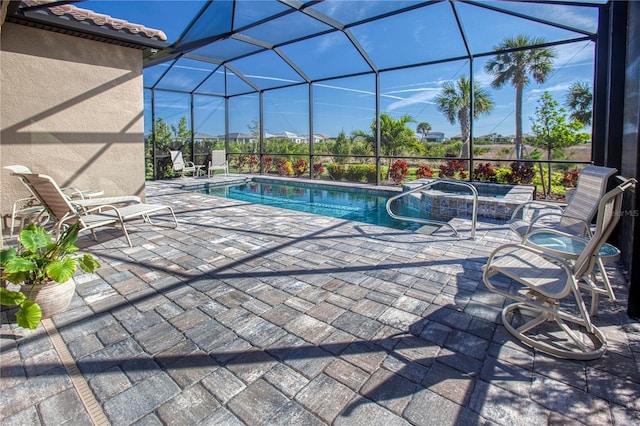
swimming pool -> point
(361, 205)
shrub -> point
(370, 173)
(336, 171)
(570, 179)
(484, 172)
(300, 167)
(267, 163)
(253, 162)
(501, 174)
(521, 173)
(450, 168)
(284, 167)
(424, 171)
(318, 169)
(360, 172)
(399, 171)
(240, 162)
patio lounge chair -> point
(218, 162)
(66, 212)
(540, 282)
(29, 208)
(574, 218)
(181, 166)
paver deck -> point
(248, 314)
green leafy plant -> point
(38, 261)
(336, 171)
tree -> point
(551, 130)
(455, 102)
(423, 128)
(342, 146)
(395, 136)
(181, 133)
(580, 102)
(515, 66)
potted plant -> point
(40, 274)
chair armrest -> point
(25, 202)
(550, 257)
(545, 215)
(71, 191)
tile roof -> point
(100, 20)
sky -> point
(428, 34)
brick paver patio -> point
(248, 314)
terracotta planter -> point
(52, 297)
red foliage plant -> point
(521, 173)
(399, 171)
(483, 172)
(267, 162)
(424, 171)
(300, 166)
(570, 179)
(318, 169)
(450, 168)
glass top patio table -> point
(569, 248)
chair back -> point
(50, 195)
(16, 170)
(177, 160)
(218, 157)
(608, 216)
(592, 185)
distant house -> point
(434, 137)
(496, 138)
(199, 136)
(286, 135)
(241, 137)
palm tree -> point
(580, 102)
(423, 128)
(396, 136)
(455, 102)
(514, 66)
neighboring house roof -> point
(69, 19)
(200, 135)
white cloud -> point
(559, 87)
(424, 96)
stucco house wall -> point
(71, 108)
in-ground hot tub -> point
(444, 201)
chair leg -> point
(561, 341)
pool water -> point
(355, 204)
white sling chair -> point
(29, 208)
(66, 212)
(180, 165)
(574, 218)
(550, 313)
(218, 162)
